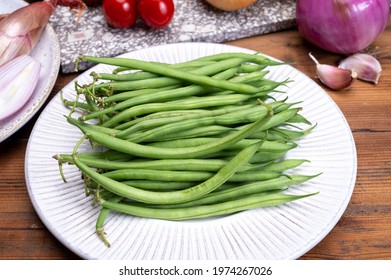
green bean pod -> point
(196, 212)
(232, 193)
(176, 196)
(174, 73)
(157, 152)
(186, 176)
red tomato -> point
(120, 13)
(156, 13)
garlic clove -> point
(334, 77)
(366, 66)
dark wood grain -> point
(364, 230)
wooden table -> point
(363, 232)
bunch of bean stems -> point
(193, 139)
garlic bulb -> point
(334, 77)
(366, 66)
(230, 5)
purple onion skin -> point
(342, 26)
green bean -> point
(157, 152)
(98, 155)
(124, 95)
(184, 104)
(159, 96)
(190, 63)
(261, 157)
(154, 116)
(204, 131)
(278, 134)
(161, 186)
(231, 193)
(162, 164)
(185, 176)
(168, 81)
(174, 73)
(157, 119)
(104, 212)
(299, 119)
(94, 107)
(81, 105)
(280, 118)
(283, 165)
(270, 146)
(150, 123)
(196, 212)
(255, 58)
(225, 119)
(176, 196)
(249, 68)
(276, 120)
(133, 76)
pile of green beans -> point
(193, 139)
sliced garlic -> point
(334, 77)
(366, 66)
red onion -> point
(342, 26)
(18, 79)
(21, 29)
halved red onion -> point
(18, 79)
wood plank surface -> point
(364, 230)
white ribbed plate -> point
(284, 232)
(47, 52)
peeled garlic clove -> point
(366, 66)
(334, 77)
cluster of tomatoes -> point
(123, 13)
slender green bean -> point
(262, 157)
(189, 63)
(104, 212)
(196, 212)
(282, 165)
(150, 123)
(176, 196)
(203, 131)
(183, 104)
(299, 119)
(160, 164)
(133, 76)
(254, 58)
(166, 80)
(225, 119)
(160, 185)
(174, 73)
(124, 95)
(159, 96)
(160, 118)
(269, 146)
(160, 115)
(80, 105)
(231, 193)
(157, 152)
(185, 176)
